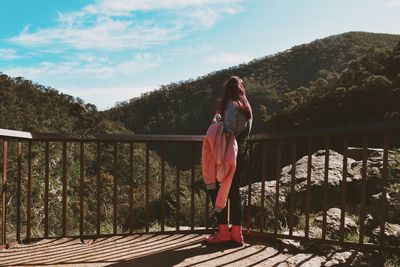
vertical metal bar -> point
(192, 178)
(131, 181)
(308, 187)
(115, 189)
(178, 178)
(162, 219)
(207, 211)
(248, 213)
(384, 185)
(29, 196)
(277, 185)
(147, 188)
(81, 188)
(46, 191)
(344, 181)
(64, 190)
(98, 188)
(19, 156)
(363, 188)
(263, 178)
(325, 188)
(3, 194)
(292, 184)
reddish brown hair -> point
(235, 90)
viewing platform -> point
(97, 200)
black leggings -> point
(234, 193)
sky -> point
(108, 51)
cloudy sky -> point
(105, 51)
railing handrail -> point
(385, 129)
(345, 129)
(12, 134)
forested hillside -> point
(186, 107)
(368, 90)
(27, 106)
(311, 85)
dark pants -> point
(234, 193)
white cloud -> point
(392, 3)
(227, 58)
(87, 66)
(106, 33)
(113, 24)
(9, 54)
(123, 6)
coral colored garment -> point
(219, 162)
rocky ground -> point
(373, 188)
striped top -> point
(235, 121)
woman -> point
(236, 113)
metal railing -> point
(269, 153)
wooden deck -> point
(139, 250)
(155, 250)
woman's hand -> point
(217, 118)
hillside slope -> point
(32, 107)
(186, 107)
(367, 91)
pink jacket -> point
(218, 162)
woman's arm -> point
(230, 118)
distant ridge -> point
(185, 107)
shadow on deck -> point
(160, 250)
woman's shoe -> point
(221, 236)
(236, 234)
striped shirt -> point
(235, 121)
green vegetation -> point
(368, 90)
(343, 79)
(27, 106)
(186, 107)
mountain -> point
(367, 91)
(186, 107)
(27, 106)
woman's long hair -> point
(235, 90)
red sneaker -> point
(236, 234)
(221, 236)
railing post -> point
(207, 210)
(277, 185)
(131, 183)
(29, 196)
(344, 181)
(325, 189)
(384, 184)
(248, 213)
(308, 187)
(64, 190)
(147, 188)
(19, 156)
(162, 219)
(3, 193)
(46, 192)
(115, 189)
(192, 178)
(178, 177)
(98, 188)
(363, 188)
(263, 178)
(292, 184)
(81, 188)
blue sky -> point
(105, 51)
